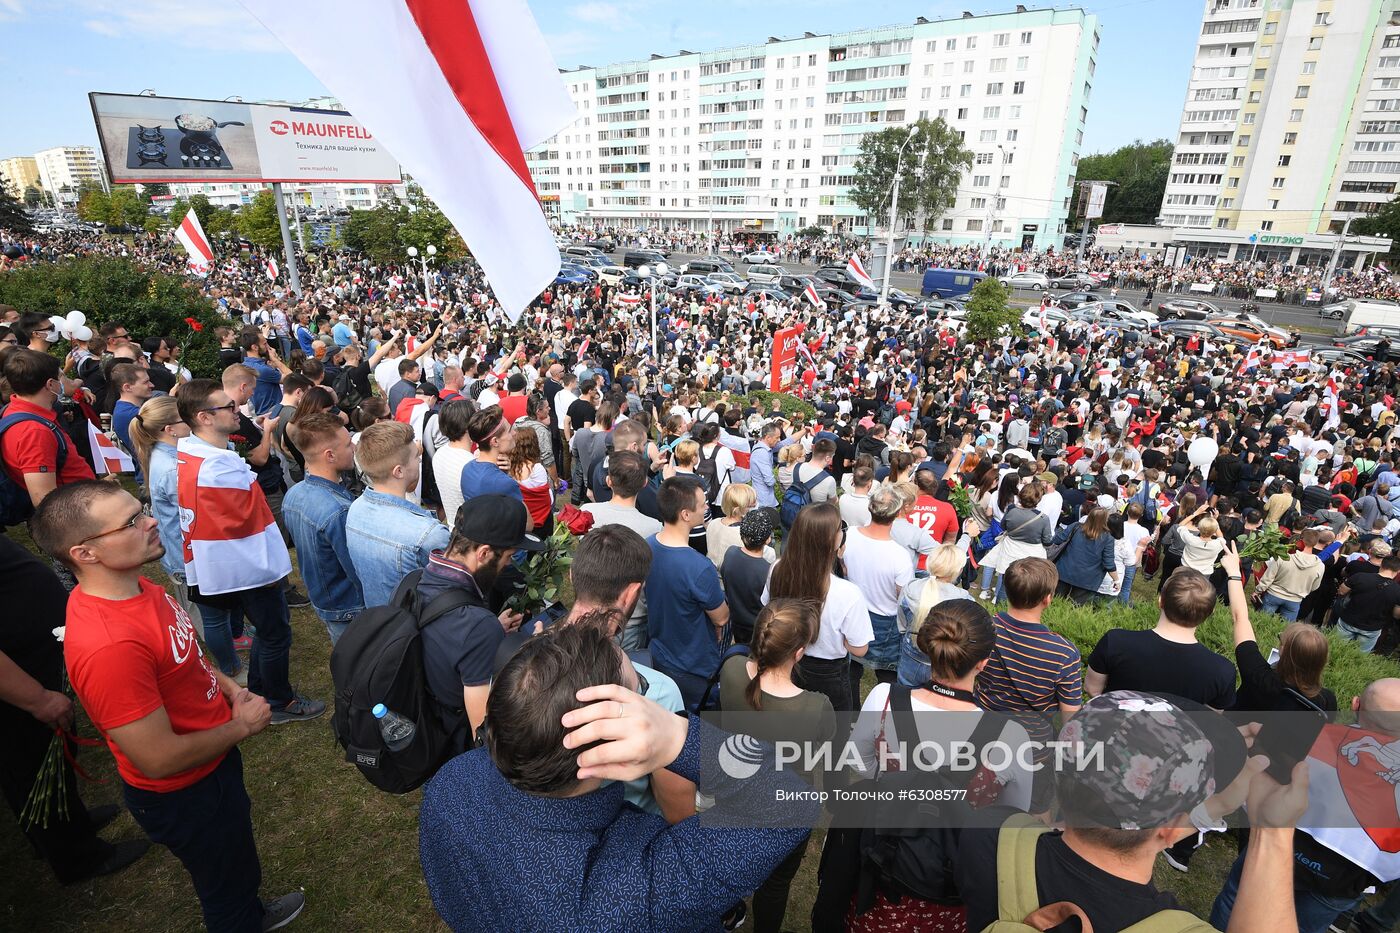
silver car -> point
(767, 274)
(1032, 280)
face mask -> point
(52, 336)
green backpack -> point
(1018, 899)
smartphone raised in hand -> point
(1287, 737)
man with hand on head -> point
(172, 721)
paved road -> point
(1281, 314)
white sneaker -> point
(986, 596)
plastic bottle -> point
(397, 730)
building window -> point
(1284, 160)
(1295, 116)
(1278, 182)
(1018, 87)
(1255, 96)
(1290, 138)
(1266, 225)
(950, 45)
(1222, 223)
(1011, 135)
(1001, 39)
(994, 89)
(974, 226)
(1244, 140)
(1025, 38)
(1322, 19)
(1302, 92)
(1309, 68)
(1023, 62)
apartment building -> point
(64, 169)
(764, 137)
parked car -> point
(698, 286)
(1254, 331)
(760, 257)
(633, 258)
(941, 307)
(795, 284)
(1073, 300)
(571, 275)
(1188, 309)
(1378, 330)
(898, 298)
(1174, 327)
(766, 274)
(1369, 347)
(727, 281)
(1035, 280)
(1345, 356)
(1104, 316)
(946, 283)
(602, 244)
(1127, 309)
(706, 265)
(762, 292)
(579, 252)
(611, 274)
(1052, 315)
(1074, 280)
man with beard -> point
(459, 647)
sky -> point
(53, 52)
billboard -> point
(167, 139)
(1097, 194)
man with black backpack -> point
(811, 482)
(36, 453)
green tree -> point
(155, 223)
(125, 207)
(989, 315)
(934, 162)
(33, 197)
(258, 221)
(13, 216)
(376, 233)
(148, 303)
(94, 204)
(154, 189)
(220, 220)
(1141, 171)
(1384, 222)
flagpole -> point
(286, 238)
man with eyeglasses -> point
(171, 721)
(235, 558)
(37, 453)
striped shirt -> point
(1031, 668)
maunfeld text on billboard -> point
(163, 139)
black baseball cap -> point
(498, 521)
(515, 383)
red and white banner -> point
(857, 270)
(1353, 795)
(196, 244)
(1251, 360)
(811, 292)
(1286, 358)
(784, 369)
(272, 270)
(457, 90)
(107, 457)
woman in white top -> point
(723, 533)
(808, 570)
(449, 460)
(1200, 533)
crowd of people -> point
(888, 536)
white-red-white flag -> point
(272, 270)
(107, 457)
(457, 90)
(811, 292)
(196, 244)
(858, 272)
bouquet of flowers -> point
(959, 496)
(544, 572)
(50, 791)
(1265, 544)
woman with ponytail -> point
(762, 683)
(154, 431)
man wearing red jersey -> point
(172, 721)
(936, 517)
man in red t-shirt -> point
(513, 403)
(172, 721)
(936, 517)
(38, 456)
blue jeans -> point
(1287, 608)
(884, 650)
(1365, 640)
(914, 667)
(1125, 595)
(1386, 914)
(987, 571)
(1315, 911)
(208, 826)
(268, 662)
(336, 629)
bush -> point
(1348, 672)
(148, 304)
(763, 401)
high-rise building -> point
(765, 137)
(1291, 122)
(64, 169)
(20, 173)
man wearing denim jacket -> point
(388, 536)
(314, 511)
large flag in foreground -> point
(456, 90)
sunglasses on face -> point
(231, 407)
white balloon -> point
(59, 323)
(82, 333)
(76, 319)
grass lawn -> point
(322, 827)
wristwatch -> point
(1235, 579)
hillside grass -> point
(321, 827)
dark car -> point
(604, 245)
(1187, 329)
(1074, 300)
(571, 275)
(1369, 347)
(838, 277)
(708, 264)
(1189, 309)
(795, 284)
(759, 291)
(1332, 355)
(633, 258)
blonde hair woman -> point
(944, 566)
(723, 532)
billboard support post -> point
(296, 219)
(286, 239)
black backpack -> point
(347, 396)
(428, 489)
(379, 659)
(16, 507)
(707, 468)
(917, 861)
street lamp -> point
(894, 212)
(431, 252)
(1336, 255)
(654, 273)
(995, 207)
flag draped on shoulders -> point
(231, 541)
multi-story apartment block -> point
(765, 137)
(1291, 123)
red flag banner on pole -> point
(784, 371)
(196, 244)
(456, 90)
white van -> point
(1370, 312)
